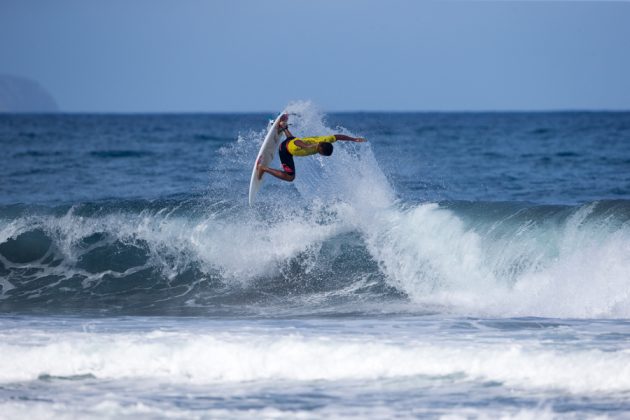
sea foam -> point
(251, 355)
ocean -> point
(457, 265)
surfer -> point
(300, 146)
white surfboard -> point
(265, 155)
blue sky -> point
(231, 55)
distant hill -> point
(18, 94)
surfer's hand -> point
(360, 140)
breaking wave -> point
(336, 240)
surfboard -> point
(265, 156)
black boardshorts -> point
(286, 158)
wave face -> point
(338, 240)
(173, 257)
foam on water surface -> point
(432, 358)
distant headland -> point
(18, 94)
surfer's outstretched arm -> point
(348, 138)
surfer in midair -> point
(300, 146)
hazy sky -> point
(231, 55)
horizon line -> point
(358, 111)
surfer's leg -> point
(288, 166)
(278, 174)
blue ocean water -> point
(456, 265)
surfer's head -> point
(325, 149)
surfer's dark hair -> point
(325, 149)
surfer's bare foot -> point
(261, 170)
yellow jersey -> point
(298, 151)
